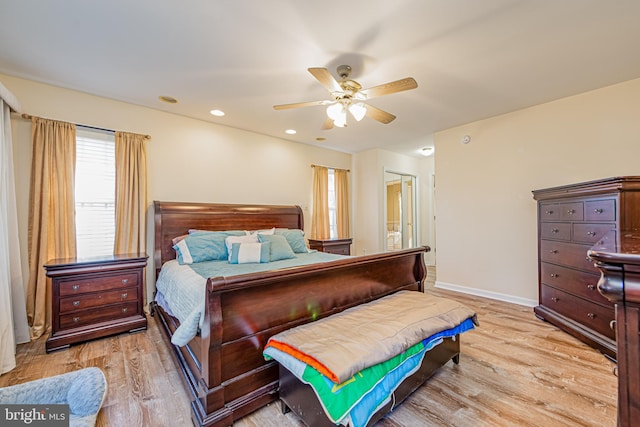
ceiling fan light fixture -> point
(334, 111)
(358, 110)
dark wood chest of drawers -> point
(334, 246)
(95, 297)
(571, 219)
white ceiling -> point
(472, 59)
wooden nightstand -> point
(95, 297)
(333, 246)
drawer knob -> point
(614, 370)
(548, 212)
(76, 319)
(555, 230)
(76, 303)
(612, 325)
(591, 287)
(125, 281)
(75, 287)
(598, 211)
(555, 299)
(571, 211)
(124, 295)
(591, 233)
(554, 275)
(124, 310)
(553, 251)
(591, 316)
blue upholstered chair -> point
(83, 390)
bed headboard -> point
(174, 219)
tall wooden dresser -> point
(618, 257)
(571, 219)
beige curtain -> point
(342, 202)
(320, 216)
(52, 231)
(131, 193)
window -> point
(95, 186)
(333, 222)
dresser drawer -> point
(97, 283)
(573, 211)
(568, 254)
(97, 299)
(549, 212)
(96, 315)
(576, 282)
(600, 210)
(555, 230)
(589, 232)
(591, 315)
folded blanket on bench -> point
(344, 344)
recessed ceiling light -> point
(217, 113)
(290, 131)
(168, 99)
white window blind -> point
(333, 221)
(95, 192)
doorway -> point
(400, 211)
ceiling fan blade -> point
(379, 115)
(302, 104)
(326, 79)
(389, 88)
(328, 124)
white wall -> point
(188, 160)
(486, 230)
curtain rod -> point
(29, 117)
(329, 167)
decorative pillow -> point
(230, 240)
(295, 238)
(201, 247)
(243, 253)
(280, 248)
(269, 231)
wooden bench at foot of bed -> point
(302, 400)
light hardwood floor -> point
(514, 370)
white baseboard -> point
(487, 294)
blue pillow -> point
(201, 247)
(295, 238)
(243, 253)
(280, 248)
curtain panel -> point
(51, 212)
(131, 193)
(342, 203)
(320, 217)
(13, 316)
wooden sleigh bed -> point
(223, 367)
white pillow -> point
(229, 241)
(268, 232)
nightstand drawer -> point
(95, 283)
(96, 315)
(97, 299)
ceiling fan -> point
(348, 95)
